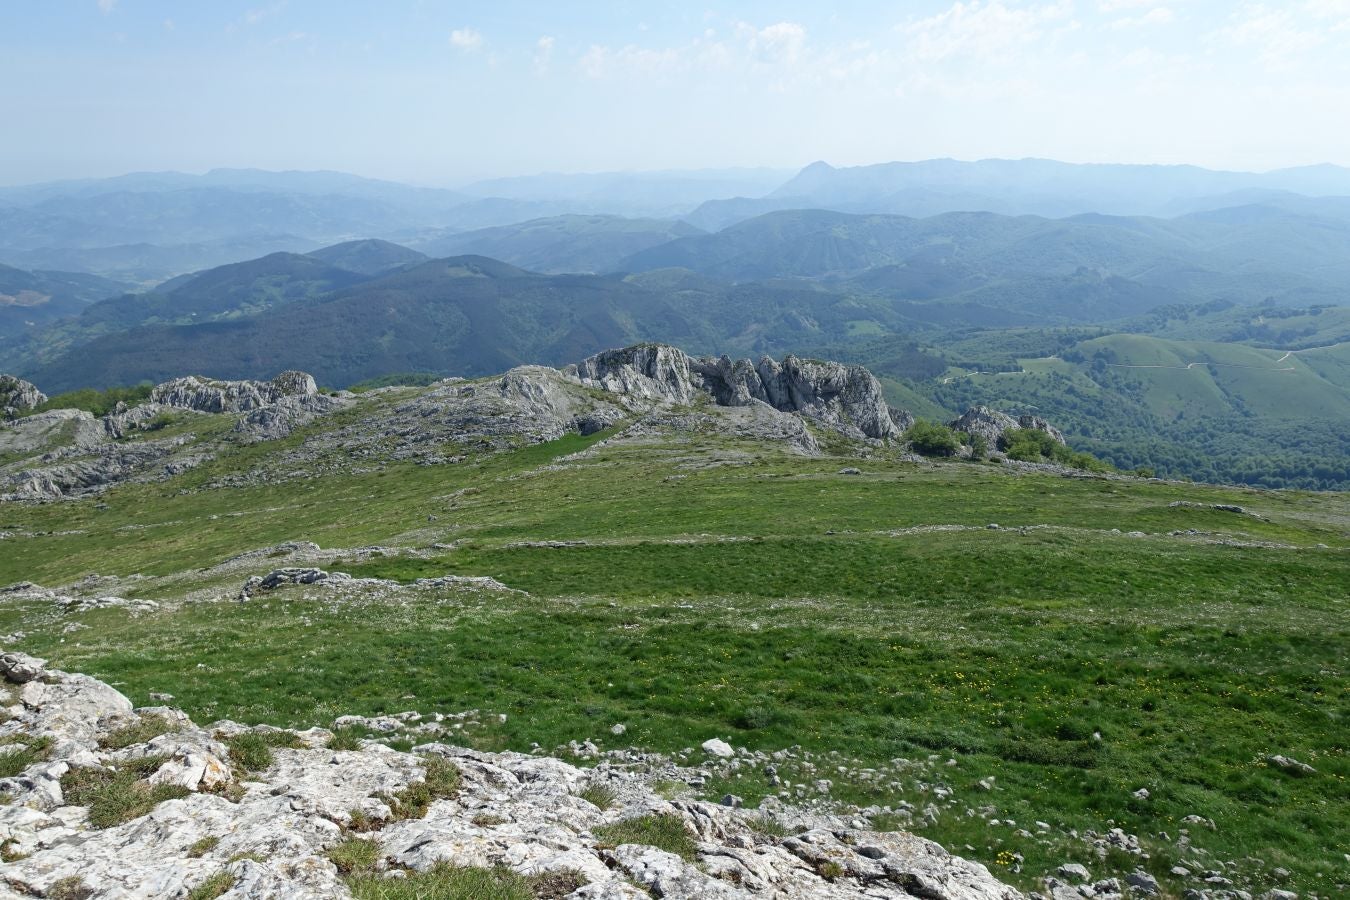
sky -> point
(442, 93)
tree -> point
(931, 439)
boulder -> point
(718, 747)
(17, 395)
(992, 425)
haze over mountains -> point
(929, 272)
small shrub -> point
(486, 820)
(346, 739)
(830, 870)
(755, 718)
(355, 855)
(202, 847)
(769, 825)
(556, 885)
(664, 832)
(147, 728)
(120, 795)
(212, 887)
(599, 795)
(70, 888)
(930, 439)
(252, 750)
(251, 857)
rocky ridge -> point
(651, 391)
(270, 831)
(847, 399)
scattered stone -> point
(718, 747)
(1289, 764)
(1076, 871)
(1143, 882)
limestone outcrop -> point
(17, 395)
(992, 425)
(270, 832)
(846, 398)
(206, 395)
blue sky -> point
(441, 93)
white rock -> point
(718, 747)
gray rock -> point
(845, 398)
(718, 747)
(17, 395)
(210, 396)
(992, 425)
(1076, 871)
(1289, 764)
(1143, 882)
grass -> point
(440, 782)
(664, 832)
(20, 752)
(203, 846)
(213, 887)
(770, 826)
(346, 739)
(145, 728)
(252, 750)
(773, 604)
(599, 795)
(119, 795)
(446, 882)
(70, 888)
(354, 855)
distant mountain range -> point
(780, 282)
(1022, 187)
(147, 227)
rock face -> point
(205, 395)
(268, 833)
(992, 425)
(845, 398)
(17, 395)
(73, 454)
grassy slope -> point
(814, 626)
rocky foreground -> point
(111, 801)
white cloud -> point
(106, 6)
(1279, 36)
(781, 42)
(169, 25)
(466, 39)
(984, 30)
(1159, 15)
(254, 16)
(1111, 6)
(543, 53)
